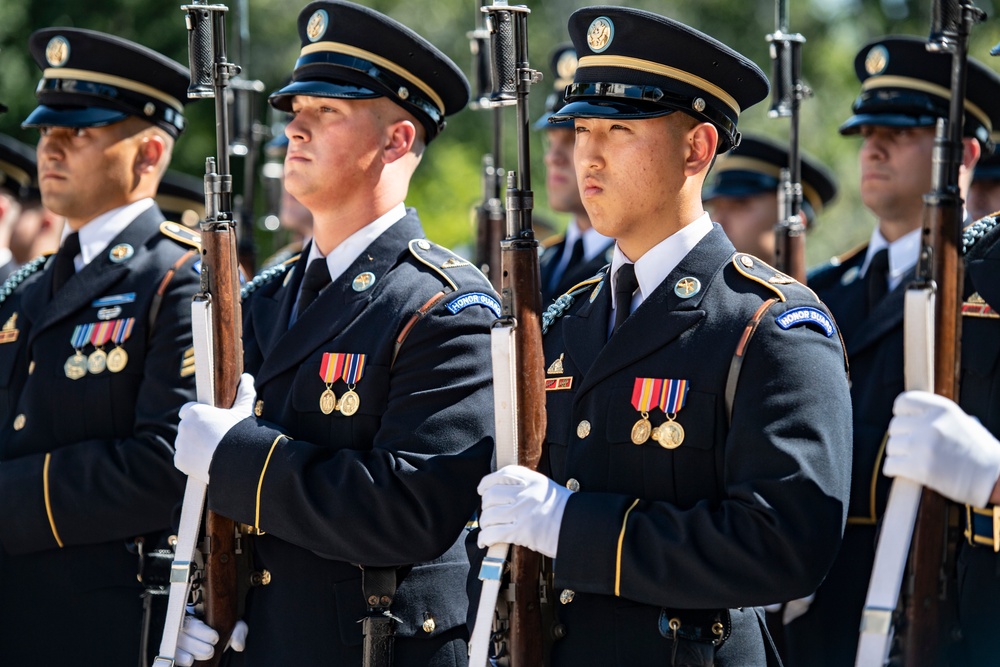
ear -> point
(971, 152)
(400, 137)
(151, 151)
(703, 139)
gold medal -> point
(669, 434)
(349, 403)
(97, 361)
(641, 430)
(117, 360)
(76, 366)
(328, 401)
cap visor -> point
(46, 116)
(544, 123)
(282, 99)
(853, 124)
(595, 108)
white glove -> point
(521, 507)
(202, 428)
(933, 442)
(197, 641)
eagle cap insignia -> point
(566, 66)
(600, 33)
(317, 25)
(877, 60)
(57, 51)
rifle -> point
(242, 98)
(217, 328)
(518, 366)
(789, 91)
(489, 213)
(932, 327)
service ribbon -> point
(668, 395)
(122, 330)
(81, 334)
(331, 366)
(354, 368)
(101, 333)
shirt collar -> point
(653, 267)
(99, 232)
(903, 253)
(341, 257)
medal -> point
(120, 332)
(641, 429)
(97, 362)
(76, 366)
(327, 402)
(117, 360)
(669, 434)
(669, 396)
(349, 403)
(354, 368)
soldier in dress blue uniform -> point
(742, 195)
(698, 458)
(367, 423)
(17, 181)
(582, 251)
(95, 357)
(903, 93)
(984, 193)
(181, 197)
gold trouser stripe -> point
(663, 70)
(618, 558)
(260, 482)
(890, 81)
(346, 49)
(110, 79)
(48, 503)
(739, 163)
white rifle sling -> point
(904, 496)
(505, 410)
(181, 570)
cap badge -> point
(877, 60)
(57, 51)
(317, 25)
(363, 281)
(403, 93)
(698, 104)
(566, 65)
(687, 287)
(149, 109)
(121, 252)
(600, 33)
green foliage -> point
(448, 183)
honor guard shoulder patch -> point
(181, 234)
(454, 270)
(460, 303)
(266, 276)
(807, 315)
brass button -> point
(258, 408)
(262, 578)
(423, 245)
(746, 261)
(19, 422)
(567, 595)
(573, 485)
(583, 429)
(429, 624)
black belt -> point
(982, 526)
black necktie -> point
(62, 264)
(317, 277)
(877, 278)
(625, 286)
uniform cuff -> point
(589, 554)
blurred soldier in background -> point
(984, 194)
(742, 194)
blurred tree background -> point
(448, 184)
